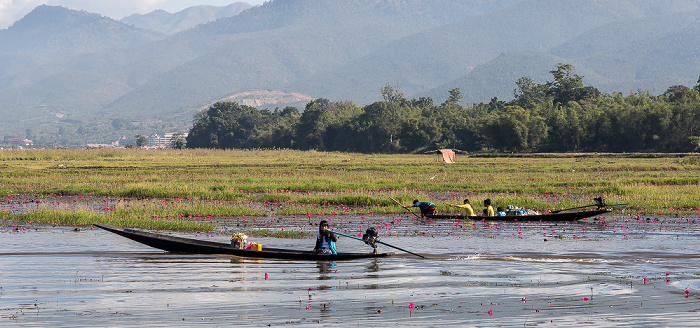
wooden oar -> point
(617, 204)
(573, 208)
(404, 207)
(606, 205)
(377, 241)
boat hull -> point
(564, 216)
(193, 246)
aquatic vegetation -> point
(83, 218)
(277, 234)
(320, 181)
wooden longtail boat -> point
(193, 246)
(563, 216)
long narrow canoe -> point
(563, 216)
(193, 246)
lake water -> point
(611, 274)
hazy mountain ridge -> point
(62, 31)
(167, 23)
(100, 69)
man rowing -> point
(426, 208)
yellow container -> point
(256, 247)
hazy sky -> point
(13, 10)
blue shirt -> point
(423, 205)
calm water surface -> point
(57, 277)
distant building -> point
(153, 141)
(165, 140)
(124, 141)
(19, 142)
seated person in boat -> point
(467, 206)
(325, 241)
(488, 211)
(426, 208)
(500, 211)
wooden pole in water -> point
(404, 207)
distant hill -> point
(68, 73)
(267, 98)
(283, 42)
(167, 23)
(61, 31)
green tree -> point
(141, 140)
(681, 93)
(419, 134)
(177, 141)
(693, 142)
(567, 131)
(565, 86)
(341, 133)
(528, 94)
(513, 128)
(281, 132)
(380, 125)
(455, 96)
(313, 123)
(225, 125)
(393, 93)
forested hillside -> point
(68, 76)
(561, 115)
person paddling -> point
(325, 241)
(426, 208)
(467, 206)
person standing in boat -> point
(325, 241)
(467, 206)
(426, 208)
(488, 211)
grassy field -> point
(299, 182)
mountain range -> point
(167, 23)
(67, 72)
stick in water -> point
(404, 207)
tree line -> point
(557, 116)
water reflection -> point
(327, 270)
(372, 266)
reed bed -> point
(84, 218)
(289, 182)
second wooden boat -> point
(563, 216)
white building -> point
(154, 139)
